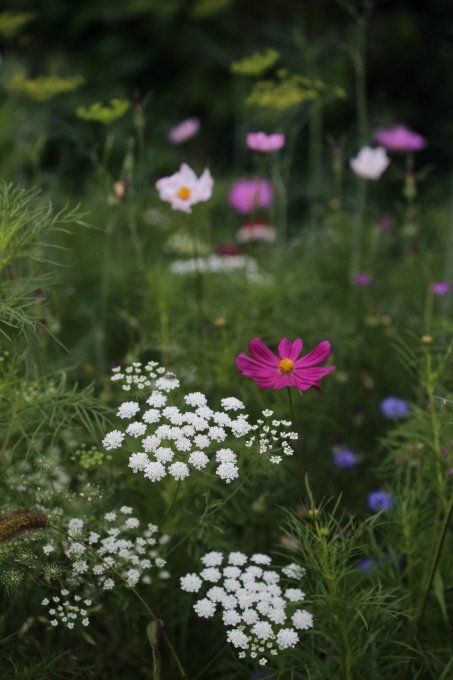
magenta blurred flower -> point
(270, 371)
(246, 195)
(184, 131)
(363, 279)
(370, 163)
(440, 288)
(385, 223)
(260, 141)
(184, 189)
(400, 139)
(256, 230)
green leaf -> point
(438, 587)
(154, 631)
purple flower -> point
(440, 288)
(343, 458)
(246, 195)
(400, 139)
(385, 223)
(367, 564)
(392, 407)
(363, 279)
(380, 500)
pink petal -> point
(261, 353)
(317, 355)
(290, 350)
(309, 377)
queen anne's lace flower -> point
(258, 612)
(177, 438)
(122, 547)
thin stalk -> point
(360, 79)
(172, 505)
(357, 230)
(297, 447)
(199, 300)
(132, 589)
(434, 563)
(448, 272)
(210, 662)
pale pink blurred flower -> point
(370, 163)
(246, 195)
(440, 288)
(184, 189)
(184, 131)
(256, 230)
(400, 139)
(260, 141)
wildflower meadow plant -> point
(400, 139)
(270, 371)
(263, 618)
(370, 163)
(247, 195)
(260, 141)
(179, 440)
(184, 131)
(184, 189)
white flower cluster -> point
(272, 436)
(262, 617)
(67, 609)
(217, 264)
(136, 375)
(177, 440)
(122, 548)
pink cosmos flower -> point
(440, 288)
(270, 371)
(260, 141)
(246, 195)
(400, 139)
(184, 189)
(184, 131)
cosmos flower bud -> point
(19, 522)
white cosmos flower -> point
(184, 189)
(370, 163)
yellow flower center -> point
(286, 366)
(184, 193)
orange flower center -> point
(184, 193)
(286, 366)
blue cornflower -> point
(343, 458)
(392, 407)
(380, 500)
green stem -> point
(172, 505)
(360, 79)
(132, 589)
(297, 447)
(356, 244)
(434, 563)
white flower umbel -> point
(118, 547)
(218, 264)
(261, 615)
(179, 434)
(67, 610)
